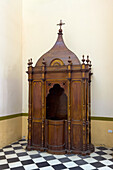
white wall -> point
(88, 30)
(10, 57)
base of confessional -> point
(56, 140)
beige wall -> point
(24, 127)
(10, 57)
(88, 30)
(10, 131)
(100, 135)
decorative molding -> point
(13, 116)
(102, 118)
(26, 114)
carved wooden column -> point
(69, 104)
(30, 78)
(87, 101)
(84, 103)
(90, 103)
(43, 101)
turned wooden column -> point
(43, 102)
(30, 78)
(69, 103)
(90, 103)
(87, 101)
(84, 103)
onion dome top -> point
(59, 54)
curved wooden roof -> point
(58, 51)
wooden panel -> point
(60, 75)
(37, 100)
(76, 100)
(36, 133)
(76, 136)
(55, 138)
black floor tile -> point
(27, 162)
(12, 160)
(80, 162)
(5, 166)
(76, 168)
(35, 156)
(99, 158)
(97, 165)
(9, 152)
(21, 154)
(18, 147)
(2, 157)
(59, 167)
(18, 168)
(8, 146)
(84, 157)
(48, 158)
(111, 166)
(43, 164)
(101, 153)
(102, 148)
(64, 160)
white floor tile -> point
(23, 158)
(4, 161)
(47, 168)
(59, 156)
(104, 168)
(8, 149)
(54, 162)
(107, 156)
(11, 156)
(2, 153)
(38, 160)
(90, 160)
(16, 145)
(20, 150)
(32, 152)
(15, 164)
(74, 158)
(30, 167)
(45, 154)
(70, 164)
(87, 167)
(108, 151)
(94, 154)
(106, 162)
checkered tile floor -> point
(15, 157)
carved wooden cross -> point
(60, 24)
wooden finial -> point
(90, 64)
(43, 62)
(30, 62)
(60, 24)
(69, 60)
(83, 60)
(87, 59)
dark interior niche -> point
(56, 103)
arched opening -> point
(56, 103)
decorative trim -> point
(26, 114)
(13, 116)
(10, 116)
(102, 118)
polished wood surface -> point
(60, 102)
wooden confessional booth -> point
(59, 102)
